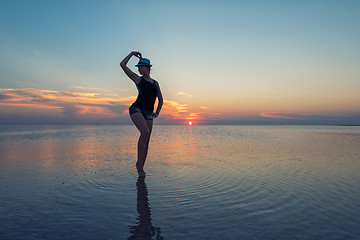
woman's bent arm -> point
(160, 98)
(133, 76)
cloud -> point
(178, 113)
(184, 94)
(70, 110)
(286, 115)
(306, 118)
(88, 88)
(40, 106)
(173, 110)
(99, 89)
(4, 96)
(79, 107)
(63, 105)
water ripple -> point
(203, 182)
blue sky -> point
(216, 61)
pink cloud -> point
(61, 104)
(283, 115)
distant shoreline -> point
(254, 124)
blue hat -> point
(144, 62)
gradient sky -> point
(217, 62)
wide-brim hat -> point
(144, 62)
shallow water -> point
(204, 182)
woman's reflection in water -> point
(144, 228)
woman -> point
(142, 110)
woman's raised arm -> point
(133, 76)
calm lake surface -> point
(204, 182)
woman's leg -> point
(141, 124)
(150, 125)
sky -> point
(217, 62)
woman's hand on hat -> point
(137, 54)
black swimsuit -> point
(146, 99)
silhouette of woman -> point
(142, 110)
(144, 228)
